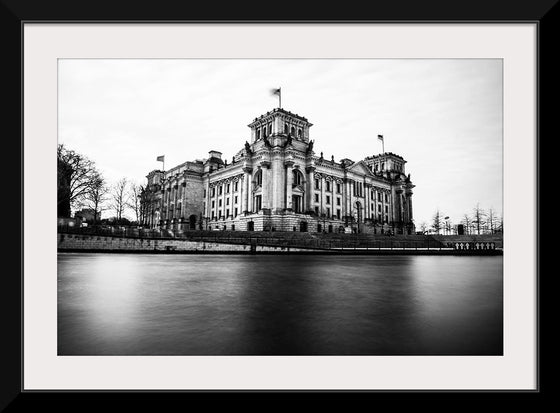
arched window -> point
(286, 129)
(264, 132)
(258, 134)
(297, 177)
(270, 128)
(382, 166)
(293, 131)
(258, 178)
(299, 133)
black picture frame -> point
(15, 13)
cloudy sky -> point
(443, 116)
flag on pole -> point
(161, 158)
(380, 137)
(279, 93)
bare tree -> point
(97, 196)
(478, 218)
(492, 220)
(500, 227)
(467, 222)
(76, 175)
(119, 198)
(134, 201)
(448, 225)
(437, 222)
(423, 227)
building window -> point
(258, 177)
(235, 212)
(227, 213)
(219, 214)
(296, 203)
(220, 189)
(236, 186)
(220, 203)
(297, 177)
(316, 183)
(328, 199)
(293, 131)
(379, 208)
(372, 195)
(235, 201)
(227, 201)
(328, 186)
(338, 188)
(213, 192)
(258, 202)
(382, 166)
(227, 188)
(386, 197)
(285, 129)
(338, 201)
(386, 209)
(213, 204)
(328, 212)
(317, 210)
(204, 194)
(316, 197)
(338, 214)
(212, 214)
(299, 133)
(258, 134)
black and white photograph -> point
(344, 207)
(280, 207)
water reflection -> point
(278, 305)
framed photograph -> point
(304, 206)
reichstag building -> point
(278, 183)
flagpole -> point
(280, 98)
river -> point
(144, 304)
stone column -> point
(245, 200)
(310, 190)
(409, 204)
(289, 163)
(400, 216)
(266, 184)
(216, 203)
(278, 182)
(349, 189)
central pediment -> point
(360, 168)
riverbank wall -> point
(93, 243)
(116, 244)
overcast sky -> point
(443, 116)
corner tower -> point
(281, 123)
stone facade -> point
(278, 183)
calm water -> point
(120, 304)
